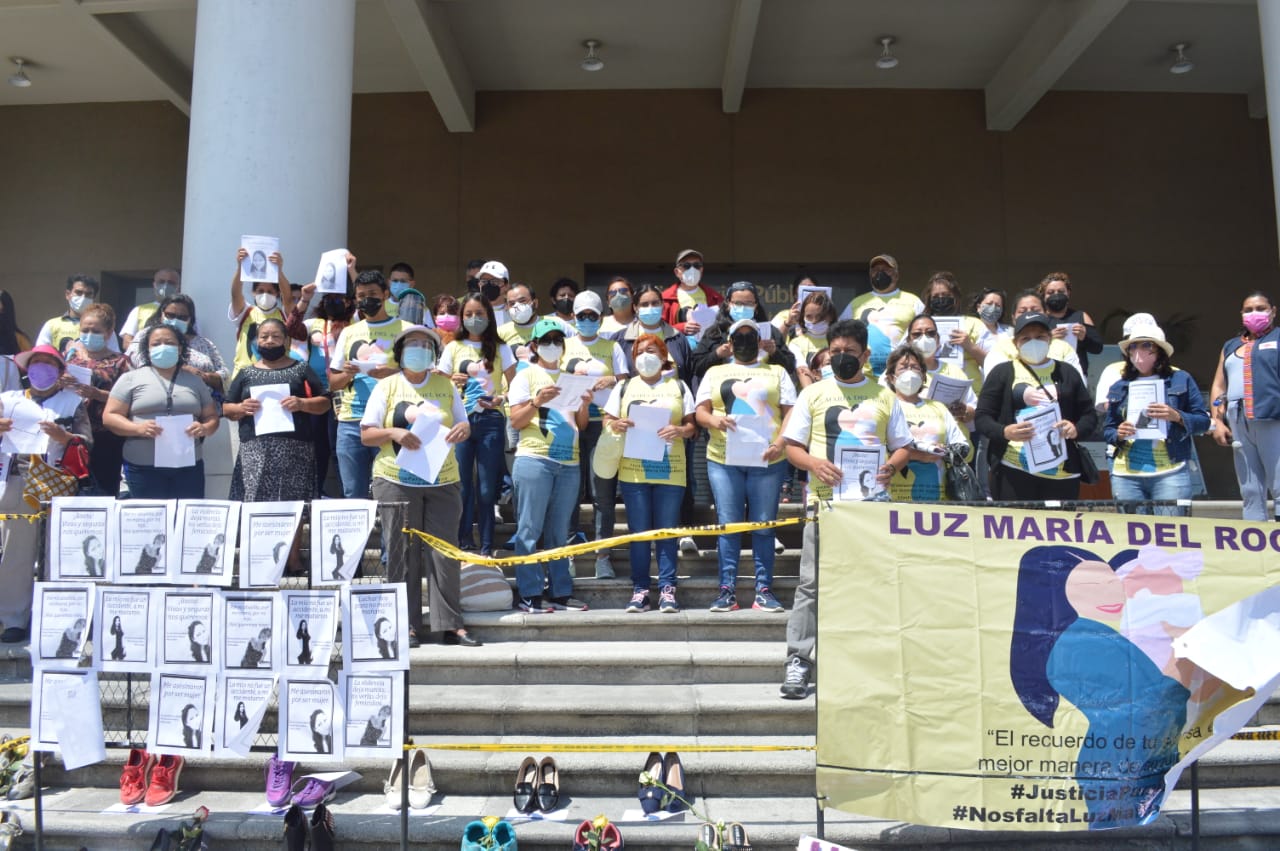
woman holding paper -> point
(743, 405)
(416, 419)
(159, 465)
(1153, 394)
(932, 429)
(922, 336)
(91, 353)
(203, 360)
(653, 486)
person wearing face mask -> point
(653, 491)
(270, 301)
(686, 293)
(1004, 350)
(478, 362)
(648, 320)
(545, 471)
(471, 277)
(932, 429)
(741, 301)
(97, 323)
(943, 300)
(400, 281)
(320, 333)
(563, 292)
(493, 282)
(160, 387)
(62, 331)
(886, 310)
(1075, 327)
(68, 421)
(846, 409)
(434, 506)
(165, 283)
(1146, 468)
(1246, 405)
(446, 318)
(590, 354)
(791, 319)
(1034, 379)
(818, 314)
(622, 311)
(362, 357)
(988, 311)
(922, 337)
(203, 358)
(748, 386)
(278, 466)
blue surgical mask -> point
(398, 288)
(418, 359)
(738, 312)
(588, 327)
(649, 316)
(827, 372)
(163, 355)
(179, 325)
(94, 342)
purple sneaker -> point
(279, 776)
(314, 792)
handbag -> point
(1088, 468)
(962, 481)
(608, 453)
(44, 481)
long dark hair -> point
(183, 299)
(489, 337)
(9, 329)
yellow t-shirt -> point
(930, 423)
(887, 317)
(551, 433)
(246, 353)
(974, 329)
(804, 346)
(363, 341)
(735, 388)
(670, 393)
(594, 358)
(400, 400)
(1015, 454)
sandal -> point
(738, 839)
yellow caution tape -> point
(448, 549)
(14, 743)
(1258, 735)
(545, 747)
(30, 518)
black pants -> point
(1008, 484)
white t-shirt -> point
(445, 364)
(786, 388)
(613, 406)
(375, 410)
(801, 422)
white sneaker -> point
(778, 546)
(687, 545)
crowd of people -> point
(888, 389)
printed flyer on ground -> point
(994, 669)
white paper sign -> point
(805, 290)
(1047, 449)
(124, 629)
(203, 544)
(375, 627)
(82, 374)
(859, 466)
(80, 543)
(271, 418)
(947, 352)
(1070, 337)
(60, 616)
(703, 315)
(339, 533)
(331, 273)
(569, 399)
(642, 441)
(311, 622)
(188, 622)
(77, 721)
(373, 709)
(310, 721)
(257, 267)
(251, 632)
(267, 530)
(24, 436)
(425, 461)
(745, 446)
(242, 702)
(945, 389)
(180, 716)
(140, 539)
(1142, 393)
(174, 447)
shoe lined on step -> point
(534, 605)
(795, 684)
(639, 602)
(525, 797)
(309, 792)
(709, 836)
(279, 780)
(765, 601)
(604, 567)
(393, 786)
(135, 776)
(651, 796)
(548, 785)
(726, 602)
(421, 786)
(322, 836)
(673, 779)
(567, 602)
(164, 780)
(737, 839)
(667, 600)
(295, 829)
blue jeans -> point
(147, 482)
(355, 460)
(756, 488)
(652, 507)
(1167, 486)
(545, 492)
(480, 467)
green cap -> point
(545, 326)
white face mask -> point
(521, 313)
(550, 353)
(926, 346)
(80, 302)
(909, 383)
(1034, 351)
(691, 277)
(265, 301)
(648, 365)
(817, 329)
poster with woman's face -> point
(375, 636)
(310, 721)
(203, 542)
(256, 267)
(311, 621)
(124, 631)
(251, 634)
(189, 621)
(243, 700)
(80, 544)
(267, 533)
(373, 706)
(339, 532)
(60, 616)
(180, 720)
(141, 529)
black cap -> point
(1032, 319)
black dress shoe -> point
(464, 639)
(526, 779)
(548, 785)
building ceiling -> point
(1015, 50)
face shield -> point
(412, 307)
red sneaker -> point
(164, 780)
(133, 779)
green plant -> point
(669, 795)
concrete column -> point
(1269, 27)
(269, 153)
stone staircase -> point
(608, 679)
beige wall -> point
(1157, 202)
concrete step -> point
(692, 592)
(1239, 819)
(614, 624)
(705, 564)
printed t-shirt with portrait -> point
(550, 434)
(668, 392)
(466, 356)
(62, 331)
(804, 346)
(930, 423)
(745, 389)
(247, 333)
(598, 358)
(1138, 457)
(396, 402)
(363, 341)
(1015, 454)
(887, 316)
(830, 414)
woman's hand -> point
(147, 428)
(241, 255)
(724, 350)
(406, 438)
(290, 403)
(460, 433)
(772, 453)
(621, 425)
(670, 432)
(725, 423)
(1058, 332)
(56, 433)
(827, 472)
(67, 381)
(195, 430)
(459, 380)
(768, 346)
(1067, 429)
(1019, 431)
(958, 337)
(962, 412)
(692, 328)
(606, 382)
(1221, 431)
(275, 258)
(884, 475)
(1160, 411)
(1033, 397)
(545, 395)
(1078, 330)
(5, 424)
(1126, 430)
(250, 406)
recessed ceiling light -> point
(887, 60)
(1181, 64)
(592, 62)
(20, 79)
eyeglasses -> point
(181, 316)
(690, 265)
(1143, 346)
(915, 335)
(613, 293)
(586, 317)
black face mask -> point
(564, 306)
(1057, 301)
(845, 366)
(882, 280)
(271, 352)
(746, 347)
(490, 289)
(942, 305)
(369, 306)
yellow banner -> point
(1020, 670)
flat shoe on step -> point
(548, 785)
(526, 776)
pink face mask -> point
(1143, 361)
(447, 322)
(1257, 322)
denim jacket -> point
(1180, 392)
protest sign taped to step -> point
(1000, 669)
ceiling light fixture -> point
(887, 60)
(592, 62)
(1181, 64)
(20, 79)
